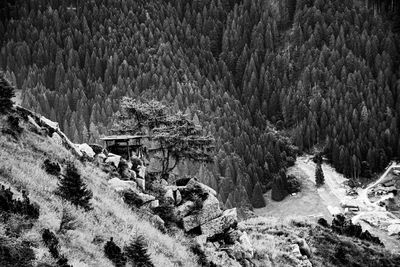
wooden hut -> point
(125, 145)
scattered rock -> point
(232, 236)
(394, 229)
(152, 204)
(86, 149)
(304, 247)
(163, 182)
(295, 251)
(178, 197)
(169, 196)
(243, 249)
(114, 159)
(33, 122)
(220, 258)
(220, 224)
(141, 183)
(193, 184)
(121, 186)
(146, 197)
(184, 209)
(209, 211)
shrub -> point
(51, 167)
(293, 183)
(23, 207)
(323, 222)
(15, 253)
(136, 253)
(73, 189)
(113, 253)
(51, 242)
(6, 94)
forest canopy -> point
(261, 75)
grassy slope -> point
(20, 167)
(272, 238)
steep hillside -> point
(26, 230)
(21, 168)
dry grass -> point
(20, 167)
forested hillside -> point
(324, 72)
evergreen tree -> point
(136, 253)
(6, 93)
(73, 189)
(319, 175)
(279, 190)
(257, 199)
(114, 253)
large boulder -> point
(221, 224)
(122, 186)
(192, 184)
(210, 210)
(184, 209)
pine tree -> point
(319, 175)
(73, 189)
(279, 189)
(6, 93)
(257, 199)
(136, 252)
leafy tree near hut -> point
(319, 175)
(136, 253)
(6, 93)
(73, 189)
(177, 136)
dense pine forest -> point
(266, 78)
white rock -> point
(394, 229)
(114, 159)
(142, 171)
(49, 123)
(120, 185)
(33, 122)
(178, 197)
(169, 196)
(141, 183)
(85, 148)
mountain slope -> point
(21, 168)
